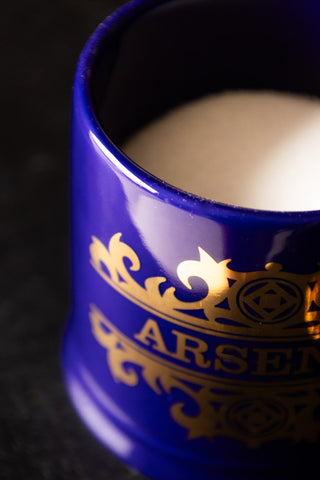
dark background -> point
(40, 435)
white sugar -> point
(251, 149)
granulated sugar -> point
(251, 149)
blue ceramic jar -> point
(192, 350)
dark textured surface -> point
(40, 435)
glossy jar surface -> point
(192, 350)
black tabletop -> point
(40, 436)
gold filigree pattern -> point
(206, 406)
(264, 305)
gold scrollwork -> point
(207, 406)
(267, 304)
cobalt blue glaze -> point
(218, 379)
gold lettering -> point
(197, 349)
(274, 358)
(150, 335)
(228, 358)
(236, 358)
(307, 353)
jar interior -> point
(184, 49)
